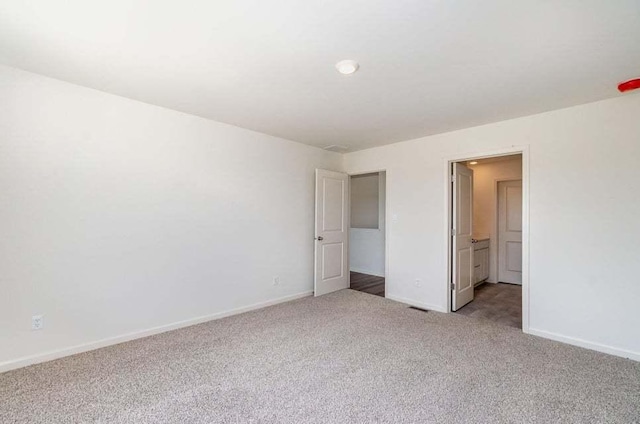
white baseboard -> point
(85, 347)
(416, 304)
(586, 344)
(366, 271)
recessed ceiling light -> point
(473, 162)
(347, 67)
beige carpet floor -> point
(347, 357)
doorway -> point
(367, 233)
(350, 247)
(487, 239)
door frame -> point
(496, 223)
(386, 224)
(506, 151)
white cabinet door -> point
(484, 266)
(477, 257)
(481, 264)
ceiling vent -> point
(336, 148)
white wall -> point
(365, 201)
(584, 208)
(119, 217)
(485, 211)
(366, 245)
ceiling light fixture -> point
(347, 67)
(475, 162)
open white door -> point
(510, 232)
(462, 274)
(332, 232)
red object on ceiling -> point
(633, 84)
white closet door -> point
(510, 232)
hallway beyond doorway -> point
(500, 302)
(366, 283)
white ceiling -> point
(426, 66)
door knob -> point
(319, 238)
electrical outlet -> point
(276, 281)
(418, 282)
(37, 322)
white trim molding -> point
(420, 305)
(86, 347)
(366, 271)
(586, 344)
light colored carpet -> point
(347, 357)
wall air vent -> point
(336, 148)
